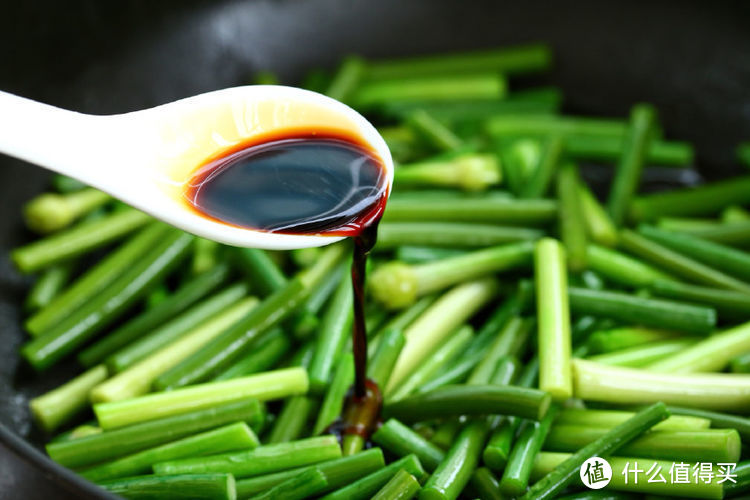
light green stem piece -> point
(275, 384)
(333, 400)
(554, 319)
(599, 225)
(431, 329)
(95, 279)
(711, 391)
(469, 172)
(51, 212)
(262, 460)
(137, 379)
(59, 405)
(402, 486)
(621, 268)
(448, 351)
(77, 240)
(638, 356)
(572, 224)
(712, 354)
(612, 418)
(230, 437)
(398, 285)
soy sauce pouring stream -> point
(362, 246)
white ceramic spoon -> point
(144, 158)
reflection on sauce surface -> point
(295, 184)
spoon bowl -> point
(145, 158)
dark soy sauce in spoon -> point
(304, 182)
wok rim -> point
(52, 470)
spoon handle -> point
(50, 137)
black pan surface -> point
(691, 59)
